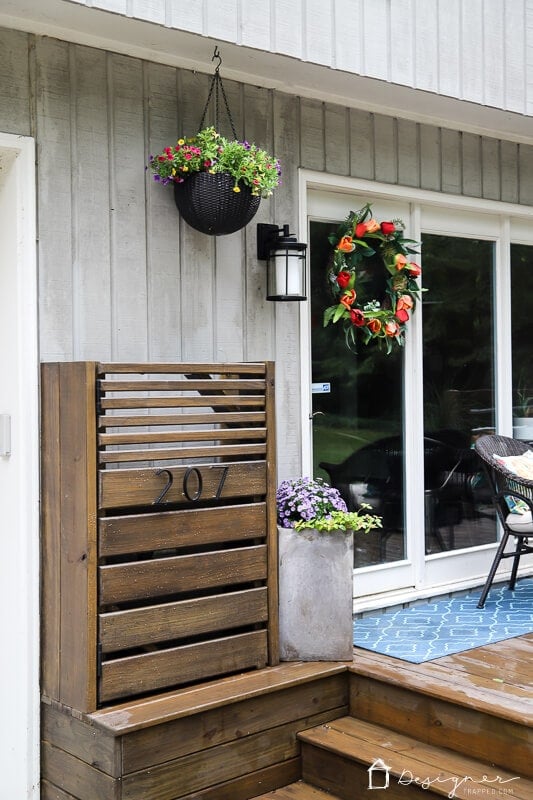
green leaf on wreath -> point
(339, 311)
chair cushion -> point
(520, 465)
(520, 523)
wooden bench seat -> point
(133, 716)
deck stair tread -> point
(297, 791)
(447, 679)
(360, 743)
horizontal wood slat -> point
(225, 762)
(74, 776)
(80, 740)
(186, 385)
(143, 368)
(201, 401)
(133, 487)
(122, 630)
(152, 671)
(153, 437)
(186, 735)
(175, 454)
(243, 417)
(189, 527)
(166, 576)
(50, 792)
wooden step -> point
(348, 756)
(228, 739)
(297, 791)
(476, 703)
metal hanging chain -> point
(218, 86)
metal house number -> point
(188, 482)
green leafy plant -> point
(307, 503)
(342, 521)
(210, 152)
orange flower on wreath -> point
(348, 299)
(400, 261)
(370, 226)
(405, 303)
(346, 244)
(391, 328)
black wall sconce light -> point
(286, 262)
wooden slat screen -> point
(159, 543)
(186, 534)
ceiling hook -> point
(216, 54)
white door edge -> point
(19, 526)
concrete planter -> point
(523, 428)
(315, 595)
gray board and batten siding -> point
(121, 278)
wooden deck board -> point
(473, 704)
(297, 791)
(509, 665)
(457, 678)
(363, 742)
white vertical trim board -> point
(19, 472)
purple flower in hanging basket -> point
(208, 151)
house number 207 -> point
(192, 477)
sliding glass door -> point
(398, 431)
(357, 408)
(459, 392)
(522, 337)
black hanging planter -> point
(208, 203)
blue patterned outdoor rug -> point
(442, 627)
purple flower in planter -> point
(306, 499)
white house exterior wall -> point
(476, 50)
(121, 278)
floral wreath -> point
(360, 237)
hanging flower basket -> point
(209, 204)
(218, 183)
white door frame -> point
(19, 470)
(418, 571)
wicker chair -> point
(505, 484)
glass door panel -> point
(522, 336)
(459, 396)
(357, 412)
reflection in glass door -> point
(357, 410)
(459, 396)
(522, 336)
